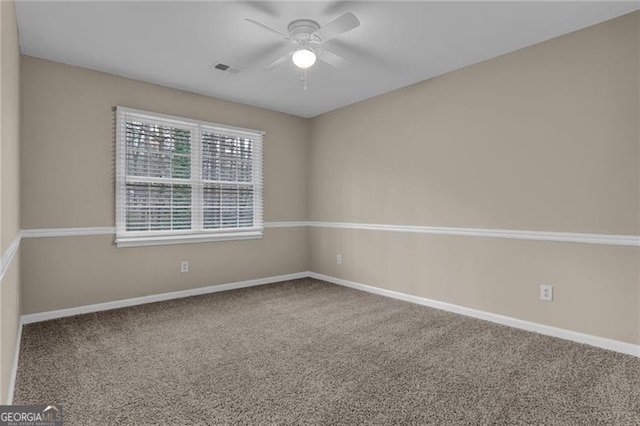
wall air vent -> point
(233, 69)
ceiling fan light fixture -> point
(304, 58)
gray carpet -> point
(309, 352)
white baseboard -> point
(14, 368)
(44, 316)
(600, 342)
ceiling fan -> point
(308, 39)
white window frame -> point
(197, 234)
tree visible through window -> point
(182, 180)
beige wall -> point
(68, 143)
(10, 167)
(68, 181)
(540, 139)
(594, 285)
(545, 138)
(83, 270)
(9, 188)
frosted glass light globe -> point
(304, 58)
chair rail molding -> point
(566, 237)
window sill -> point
(162, 240)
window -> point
(181, 180)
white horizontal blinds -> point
(180, 177)
(157, 151)
(158, 175)
(230, 178)
(158, 207)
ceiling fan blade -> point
(358, 54)
(282, 59)
(257, 57)
(332, 58)
(338, 26)
(266, 28)
(262, 6)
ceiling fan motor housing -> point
(301, 31)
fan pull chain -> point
(304, 79)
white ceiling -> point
(398, 43)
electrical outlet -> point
(184, 266)
(339, 259)
(546, 293)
